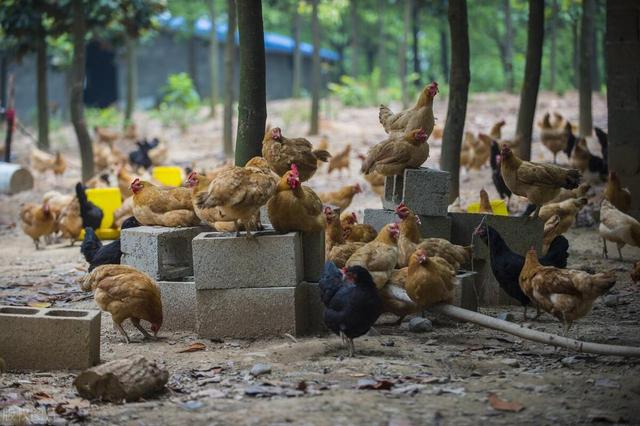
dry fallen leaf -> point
(194, 347)
(375, 384)
(501, 405)
(35, 304)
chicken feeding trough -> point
(498, 206)
(168, 175)
(109, 200)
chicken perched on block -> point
(566, 294)
(617, 227)
(351, 300)
(341, 198)
(337, 249)
(397, 153)
(281, 152)
(295, 207)
(430, 280)
(199, 184)
(565, 194)
(540, 183)
(36, 221)
(237, 193)
(506, 264)
(158, 206)
(126, 293)
(379, 256)
(555, 138)
(418, 117)
(617, 195)
(356, 232)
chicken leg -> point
(619, 251)
(136, 324)
(605, 254)
(121, 330)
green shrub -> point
(103, 117)
(179, 103)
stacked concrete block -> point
(425, 192)
(253, 288)
(519, 233)
(312, 255)
(466, 293)
(161, 252)
(313, 315)
(178, 304)
(49, 339)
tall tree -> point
(132, 77)
(415, 42)
(380, 59)
(355, 38)
(586, 56)
(78, 34)
(252, 102)
(553, 29)
(213, 59)
(229, 72)
(296, 84)
(444, 53)
(531, 81)
(504, 41)
(458, 92)
(315, 70)
(402, 52)
(595, 55)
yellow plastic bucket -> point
(109, 200)
(168, 175)
(499, 208)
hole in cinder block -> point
(242, 234)
(61, 313)
(19, 311)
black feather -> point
(111, 253)
(90, 244)
(496, 176)
(90, 213)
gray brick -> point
(161, 252)
(312, 255)
(393, 186)
(223, 261)
(519, 234)
(431, 226)
(466, 295)
(426, 191)
(313, 316)
(250, 312)
(49, 339)
(178, 304)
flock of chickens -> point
(392, 271)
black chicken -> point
(507, 264)
(90, 213)
(97, 254)
(596, 165)
(352, 302)
(140, 157)
(603, 139)
(498, 181)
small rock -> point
(611, 300)
(373, 332)
(505, 316)
(420, 325)
(260, 369)
(569, 360)
(511, 362)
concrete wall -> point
(623, 94)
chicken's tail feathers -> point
(322, 155)
(90, 244)
(604, 281)
(558, 253)
(330, 282)
(204, 199)
(89, 282)
(384, 114)
(572, 179)
(80, 193)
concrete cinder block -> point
(466, 295)
(393, 186)
(430, 227)
(49, 339)
(178, 304)
(426, 191)
(518, 232)
(250, 312)
(223, 261)
(312, 255)
(312, 317)
(161, 252)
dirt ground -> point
(398, 377)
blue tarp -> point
(272, 42)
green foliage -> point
(368, 90)
(103, 117)
(180, 102)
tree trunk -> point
(229, 70)
(458, 92)
(43, 107)
(595, 55)
(297, 54)
(444, 53)
(553, 28)
(213, 60)
(380, 59)
(252, 102)
(402, 52)
(132, 78)
(508, 47)
(531, 81)
(10, 116)
(415, 41)
(192, 60)
(315, 70)
(4, 66)
(576, 53)
(355, 42)
(586, 56)
(76, 106)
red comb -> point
(294, 169)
